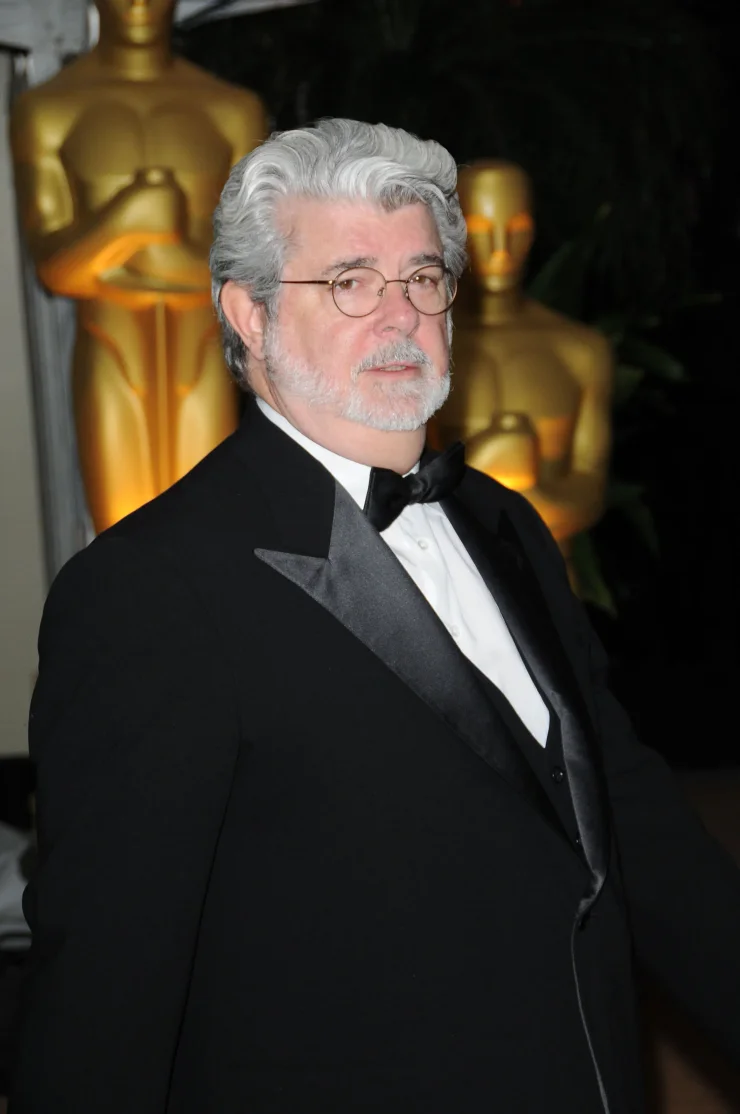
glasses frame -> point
(333, 283)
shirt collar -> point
(354, 477)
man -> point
(336, 811)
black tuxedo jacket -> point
(291, 857)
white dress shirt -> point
(423, 540)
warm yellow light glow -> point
(532, 388)
(476, 223)
(522, 222)
(118, 178)
(500, 263)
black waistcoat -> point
(547, 763)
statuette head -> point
(496, 200)
(137, 22)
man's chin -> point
(392, 415)
(398, 404)
(395, 423)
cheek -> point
(304, 335)
(432, 337)
(342, 345)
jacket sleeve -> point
(682, 889)
(134, 734)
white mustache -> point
(399, 352)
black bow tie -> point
(388, 493)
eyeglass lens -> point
(358, 291)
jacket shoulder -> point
(193, 514)
(490, 500)
(191, 526)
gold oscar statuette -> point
(532, 389)
(120, 159)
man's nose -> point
(395, 310)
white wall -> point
(22, 586)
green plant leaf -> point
(559, 282)
(627, 498)
(612, 325)
(654, 359)
(699, 299)
(627, 379)
(592, 587)
(641, 517)
(620, 494)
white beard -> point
(399, 405)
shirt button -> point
(557, 773)
(455, 632)
(423, 543)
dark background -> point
(620, 106)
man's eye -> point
(425, 280)
(345, 285)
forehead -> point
(327, 229)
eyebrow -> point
(345, 264)
(423, 259)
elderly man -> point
(337, 813)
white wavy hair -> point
(335, 159)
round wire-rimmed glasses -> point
(358, 291)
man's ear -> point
(246, 317)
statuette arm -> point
(574, 501)
(73, 251)
(246, 125)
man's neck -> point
(397, 451)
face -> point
(388, 371)
(135, 21)
(496, 201)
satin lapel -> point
(511, 580)
(365, 587)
